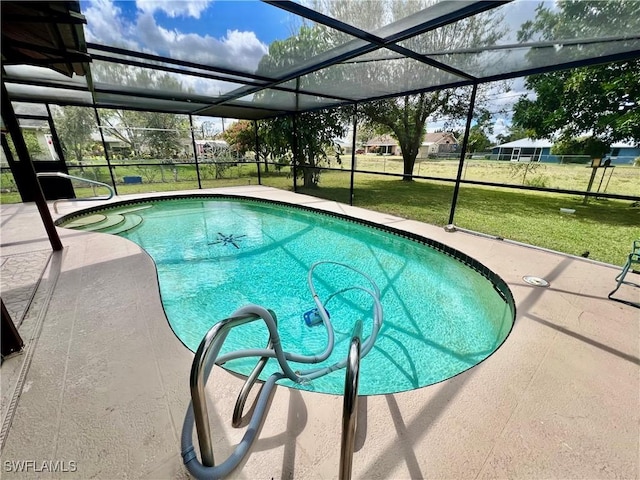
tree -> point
(75, 126)
(478, 140)
(514, 132)
(581, 146)
(164, 133)
(479, 134)
(316, 131)
(153, 133)
(316, 141)
(405, 117)
(31, 141)
(601, 100)
(241, 136)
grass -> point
(623, 179)
(604, 228)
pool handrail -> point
(208, 354)
(200, 369)
(203, 362)
(350, 403)
(73, 177)
(236, 418)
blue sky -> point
(221, 33)
(267, 22)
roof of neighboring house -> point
(381, 140)
(624, 145)
(217, 143)
(527, 143)
(95, 137)
(437, 137)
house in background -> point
(382, 145)
(432, 144)
(529, 150)
(113, 144)
(624, 153)
(438, 143)
(524, 150)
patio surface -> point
(103, 383)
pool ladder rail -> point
(350, 403)
(201, 368)
(86, 180)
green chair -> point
(632, 259)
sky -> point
(234, 33)
(221, 33)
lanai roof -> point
(362, 57)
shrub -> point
(538, 181)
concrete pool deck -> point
(103, 383)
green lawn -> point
(604, 228)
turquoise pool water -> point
(441, 317)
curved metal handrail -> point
(201, 367)
(236, 419)
(72, 177)
(350, 403)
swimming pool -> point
(443, 312)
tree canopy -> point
(404, 117)
(241, 136)
(152, 133)
(581, 146)
(601, 100)
(75, 126)
(317, 131)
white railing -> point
(71, 177)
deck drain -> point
(535, 281)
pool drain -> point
(535, 281)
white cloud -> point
(244, 47)
(106, 25)
(500, 127)
(242, 50)
(174, 8)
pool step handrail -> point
(350, 403)
(202, 363)
(208, 354)
(236, 419)
(86, 180)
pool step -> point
(131, 221)
(88, 221)
(113, 220)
